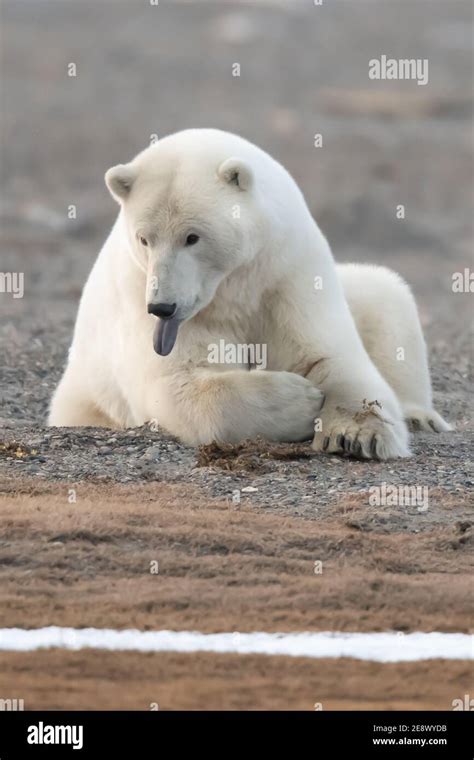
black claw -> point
(325, 443)
(357, 448)
(340, 441)
(373, 446)
(431, 424)
(347, 444)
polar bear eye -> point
(143, 241)
(192, 239)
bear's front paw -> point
(299, 403)
(367, 433)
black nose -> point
(162, 310)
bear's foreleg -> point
(71, 408)
(229, 406)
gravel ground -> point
(383, 144)
(305, 485)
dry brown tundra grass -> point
(222, 569)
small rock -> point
(152, 452)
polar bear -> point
(214, 241)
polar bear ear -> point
(119, 179)
(236, 171)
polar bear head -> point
(194, 214)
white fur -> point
(331, 352)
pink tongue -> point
(164, 336)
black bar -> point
(155, 734)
